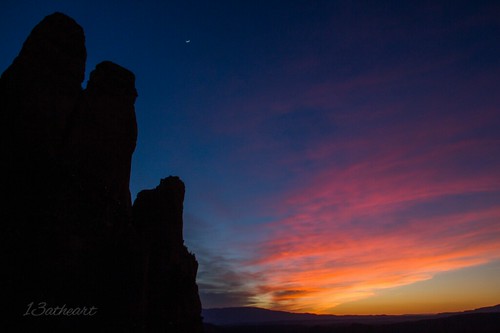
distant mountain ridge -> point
(259, 316)
(488, 309)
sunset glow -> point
(339, 157)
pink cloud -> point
(360, 214)
(354, 228)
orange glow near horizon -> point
(390, 220)
(325, 276)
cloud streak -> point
(364, 168)
(421, 198)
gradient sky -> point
(339, 156)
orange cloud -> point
(403, 211)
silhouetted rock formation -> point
(158, 218)
(102, 134)
(67, 229)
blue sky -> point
(335, 153)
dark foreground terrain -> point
(249, 320)
(466, 323)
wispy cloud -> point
(223, 283)
(421, 198)
(378, 171)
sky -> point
(340, 157)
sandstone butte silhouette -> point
(70, 235)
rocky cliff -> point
(167, 261)
(70, 235)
